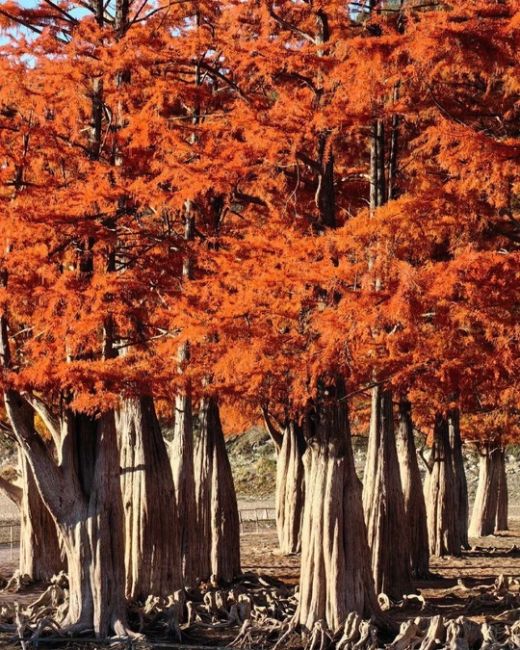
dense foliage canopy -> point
(245, 119)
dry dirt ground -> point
(451, 593)
(495, 555)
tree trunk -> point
(335, 576)
(181, 458)
(440, 494)
(503, 497)
(414, 504)
(92, 529)
(483, 516)
(83, 495)
(40, 555)
(290, 489)
(218, 539)
(461, 485)
(152, 541)
(384, 503)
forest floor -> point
(495, 555)
(456, 590)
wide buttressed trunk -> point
(218, 527)
(152, 540)
(290, 489)
(336, 576)
(82, 493)
(414, 503)
(92, 529)
(461, 486)
(440, 491)
(484, 513)
(181, 453)
(383, 503)
(502, 522)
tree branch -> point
(274, 432)
(49, 419)
(12, 491)
(426, 461)
(46, 472)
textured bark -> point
(152, 540)
(383, 503)
(290, 446)
(290, 489)
(335, 576)
(503, 496)
(181, 453)
(414, 503)
(83, 495)
(92, 528)
(40, 554)
(218, 527)
(440, 494)
(483, 516)
(461, 485)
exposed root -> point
(407, 601)
(259, 613)
(321, 637)
(18, 582)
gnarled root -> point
(18, 582)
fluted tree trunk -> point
(383, 500)
(414, 503)
(440, 492)
(502, 522)
(218, 527)
(461, 485)
(335, 573)
(383, 503)
(289, 442)
(484, 513)
(81, 490)
(336, 576)
(40, 553)
(152, 539)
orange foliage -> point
(236, 109)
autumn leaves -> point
(350, 183)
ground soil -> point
(443, 594)
(450, 593)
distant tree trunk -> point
(461, 485)
(152, 540)
(503, 496)
(414, 503)
(383, 503)
(335, 576)
(181, 458)
(484, 514)
(289, 496)
(218, 529)
(290, 489)
(441, 493)
(40, 554)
